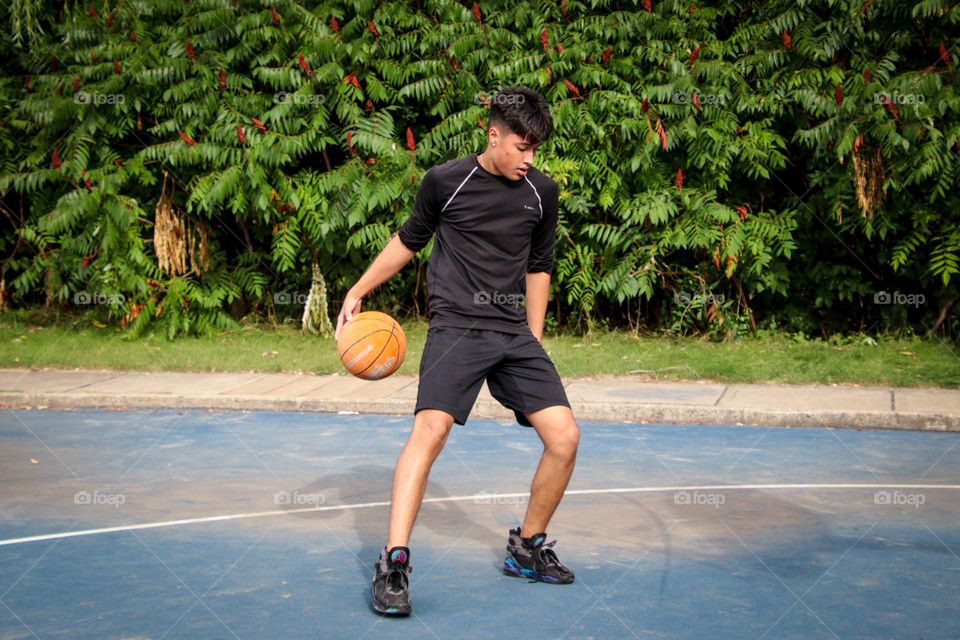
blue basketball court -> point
(193, 524)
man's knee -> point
(558, 429)
(431, 428)
(566, 439)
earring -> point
(494, 144)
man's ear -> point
(493, 135)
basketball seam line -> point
(382, 349)
(353, 344)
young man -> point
(494, 217)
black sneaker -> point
(534, 558)
(391, 582)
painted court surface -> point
(193, 524)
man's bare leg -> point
(560, 436)
(430, 430)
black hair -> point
(522, 111)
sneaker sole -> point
(383, 609)
(514, 570)
(389, 611)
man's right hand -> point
(388, 262)
(351, 307)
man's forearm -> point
(385, 265)
(538, 291)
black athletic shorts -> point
(518, 372)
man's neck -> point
(487, 164)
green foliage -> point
(284, 128)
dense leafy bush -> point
(723, 165)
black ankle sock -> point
(530, 542)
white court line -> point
(480, 498)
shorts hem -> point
(537, 407)
(453, 414)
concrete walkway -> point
(615, 399)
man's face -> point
(513, 155)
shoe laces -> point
(548, 556)
(546, 551)
(397, 581)
(398, 577)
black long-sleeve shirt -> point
(490, 232)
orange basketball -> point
(372, 345)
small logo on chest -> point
(526, 206)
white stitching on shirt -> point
(458, 191)
(539, 202)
